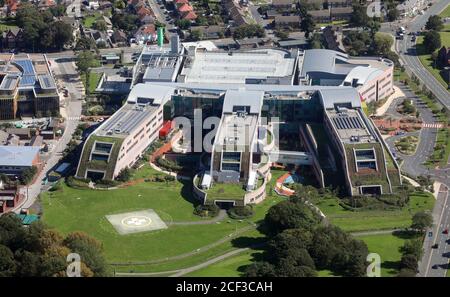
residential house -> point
(109, 24)
(235, 12)
(189, 15)
(12, 38)
(321, 16)
(410, 8)
(12, 6)
(145, 34)
(146, 15)
(341, 13)
(23, 133)
(46, 4)
(9, 198)
(292, 21)
(119, 38)
(101, 38)
(210, 32)
(283, 4)
(104, 5)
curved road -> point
(411, 61)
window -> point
(103, 147)
(100, 157)
(230, 166)
(231, 156)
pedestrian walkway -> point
(432, 125)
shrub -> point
(77, 183)
(106, 183)
(56, 187)
(168, 164)
(207, 210)
(241, 212)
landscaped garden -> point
(425, 58)
(407, 145)
(69, 209)
(378, 218)
(388, 247)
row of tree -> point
(40, 251)
(300, 244)
(41, 30)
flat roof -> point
(236, 67)
(46, 81)
(239, 117)
(17, 155)
(142, 102)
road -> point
(413, 166)
(407, 51)
(435, 261)
(66, 74)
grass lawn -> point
(94, 78)
(84, 210)
(230, 267)
(446, 12)
(425, 58)
(387, 246)
(226, 191)
(5, 26)
(353, 221)
(442, 147)
(90, 20)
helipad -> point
(138, 221)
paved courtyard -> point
(137, 221)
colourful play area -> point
(287, 178)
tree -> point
(183, 24)
(124, 175)
(290, 215)
(434, 23)
(409, 261)
(412, 247)
(392, 14)
(85, 43)
(89, 249)
(359, 16)
(307, 25)
(196, 35)
(421, 221)
(100, 25)
(260, 269)
(28, 175)
(85, 60)
(281, 34)
(432, 41)
(248, 31)
(382, 44)
(7, 263)
(406, 273)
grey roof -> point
(17, 155)
(322, 60)
(46, 81)
(330, 97)
(241, 97)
